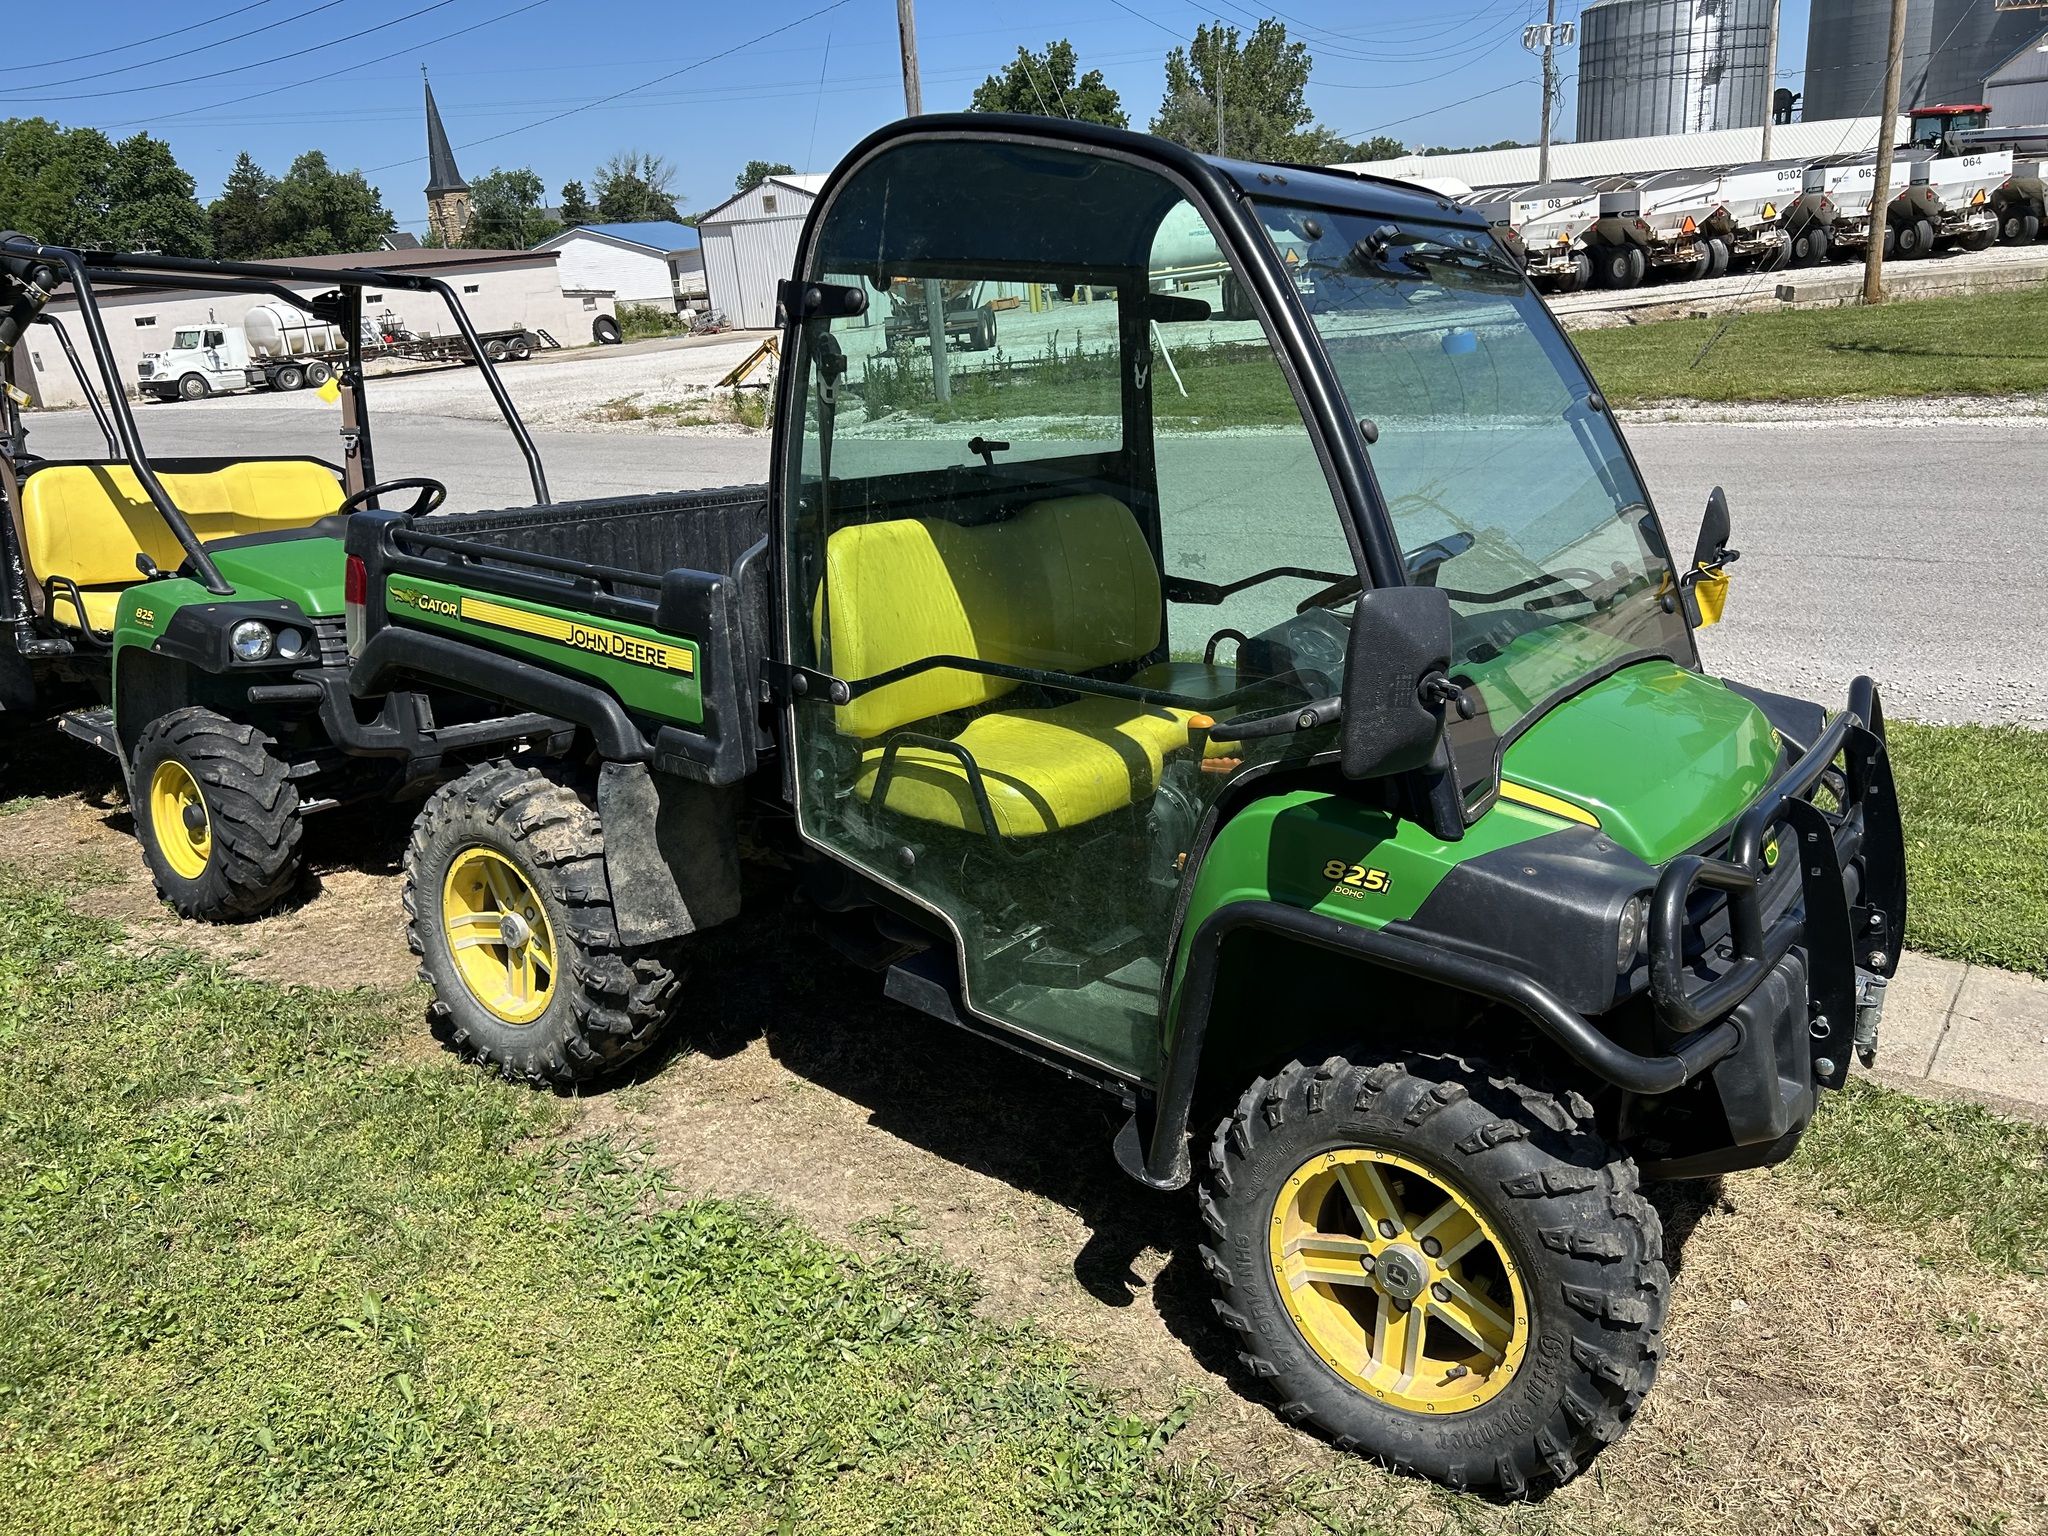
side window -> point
(215, 338)
(1242, 491)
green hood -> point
(306, 571)
(1662, 756)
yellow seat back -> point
(1066, 585)
(89, 521)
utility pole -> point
(1548, 38)
(934, 293)
(1770, 85)
(1887, 130)
(1216, 58)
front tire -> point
(508, 908)
(193, 387)
(217, 815)
(1502, 1360)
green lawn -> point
(1980, 344)
(259, 1275)
(1975, 804)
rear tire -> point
(288, 378)
(1559, 1263)
(2030, 225)
(318, 373)
(551, 996)
(1717, 257)
(217, 815)
(521, 349)
(604, 330)
(1612, 267)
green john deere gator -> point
(186, 614)
(1291, 724)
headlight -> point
(291, 645)
(1630, 933)
(251, 641)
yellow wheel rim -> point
(178, 817)
(1398, 1282)
(498, 932)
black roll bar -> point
(128, 435)
(99, 411)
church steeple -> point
(447, 192)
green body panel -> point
(1661, 755)
(305, 572)
(1285, 848)
(646, 669)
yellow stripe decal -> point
(583, 637)
(1537, 800)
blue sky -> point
(1451, 73)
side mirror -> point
(1174, 308)
(1714, 530)
(1400, 640)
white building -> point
(750, 246)
(498, 289)
(655, 262)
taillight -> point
(355, 593)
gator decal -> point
(647, 670)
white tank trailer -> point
(1936, 199)
(1550, 220)
(1738, 210)
(289, 349)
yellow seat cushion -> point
(1067, 585)
(101, 604)
(1043, 769)
(88, 522)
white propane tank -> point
(278, 331)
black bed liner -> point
(704, 530)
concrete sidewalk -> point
(1953, 1030)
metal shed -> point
(750, 245)
(2017, 89)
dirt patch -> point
(1819, 1377)
(66, 814)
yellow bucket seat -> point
(1066, 585)
(88, 522)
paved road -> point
(1914, 550)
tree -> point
(1379, 147)
(240, 216)
(1043, 84)
(507, 211)
(75, 186)
(1470, 149)
(633, 186)
(576, 205)
(1261, 83)
(316, 210)
(758, 171)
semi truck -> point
(1414, 918)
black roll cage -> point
(341, 305)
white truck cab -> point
(201, 360)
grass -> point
(1971, 1185)
(260, 1275)
(639, 322)
(1976, 344)
(1974, 800)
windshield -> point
(184, 341)
(1507, 486)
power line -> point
(101, 53)
(1366, 133)
(127, 69)
(322, 78)
(630, 90)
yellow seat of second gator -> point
(88, 522)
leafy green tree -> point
(316, 210)
(240, 216)
(1261, 82)
(576, 205)
(1043, 84)
(508, 211)
(75, 186)
(1469, 149)
(635, 185)
(1379, 147)
(758, 171)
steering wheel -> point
(431, 494)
